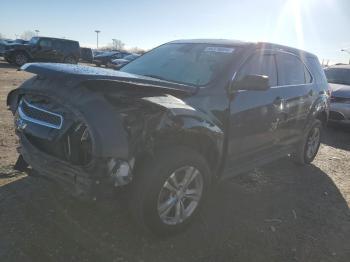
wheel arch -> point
(319, 110)
(206, 141)
(24, 52)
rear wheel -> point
(21, 58)
(167, 193)
(308, 147)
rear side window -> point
(291, 71)
(260, 64)
(69, 45)
(117, 56)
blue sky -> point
(319, 26)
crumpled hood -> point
(88, 73)
(340, 90)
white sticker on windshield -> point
(219, 49)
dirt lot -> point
(278, 213)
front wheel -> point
(309, 145)
(70, 60)
(167, 193)
(21, 58)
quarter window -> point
(291, 71)
(260, 64)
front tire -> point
(70, 60)
(168, 191)
(21, 58)
(309, 145)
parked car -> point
(86, 54)
(171, 123)
(97, 52)
(107, 57)
(3, 43)
(118, 63)
(339, 78)
(44, 49)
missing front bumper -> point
(73, 179)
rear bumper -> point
(72, 178)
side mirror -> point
(252, 82)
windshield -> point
(34, 40)
(130, 57)
(338, 75)
(186, 63)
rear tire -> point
(309, 145)
(168, 191)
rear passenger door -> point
(295, 82)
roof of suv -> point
(242, 43)
(61, 39)
(213, 41)
(343, 66)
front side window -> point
(260, 64)
(33, 40)
(291, 71)
(45, 43)
(186, 63)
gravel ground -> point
(281, 212)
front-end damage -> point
(61, 140)
(89, 133)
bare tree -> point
(27, 35)
(1, 36)
(136, 50)
(118, 44)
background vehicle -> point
(107, 57)
(9, 42)
(118, 63)
(44, 49)
(172, 122)
(86, 54)
(339, 79)
(2, 47)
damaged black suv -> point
(171, 123)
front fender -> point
(183, 125)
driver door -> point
(254, 115)
(45, 50)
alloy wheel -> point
(313, 142)
(180, 195)
(21, 59)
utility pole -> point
(97, 32)
(346, 50)
(37, 32)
